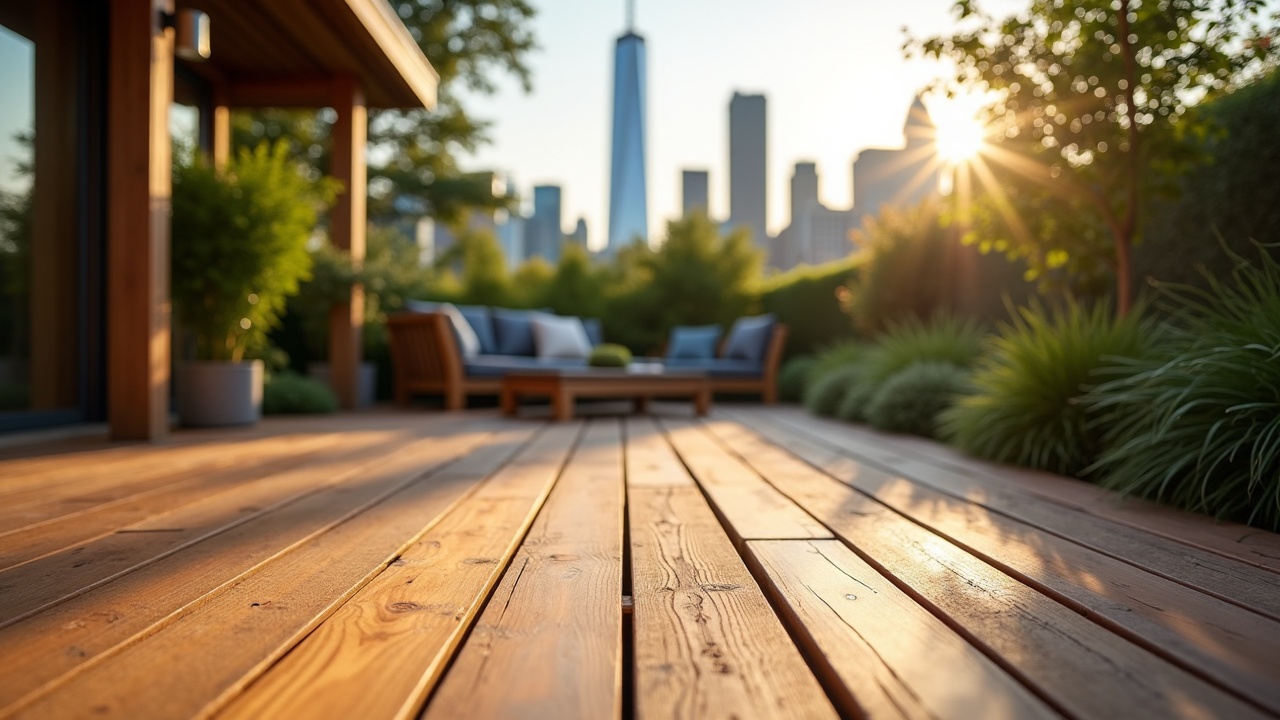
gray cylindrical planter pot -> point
(212, 394)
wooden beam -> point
(280, 91)
(346, 231)
(140, 90)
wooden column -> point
(220, 143)
(346, 231)
(140, 90)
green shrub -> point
(609, 355)
(853, 407)
(1200, 427)
(1026, 407)
(911, 400)
(793, 377)
(805, 299)
(837, 355)
(943, 338)
(291, 394)
(826, 391)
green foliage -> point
(291, 394)
(15, 257)
(1199, 425)
(577, 287)
(609, 355)
(696, 277)
(826, 391)
(1231, 197)
(1028, 388)
(1092, 98)
(240, 247)
(913, 265)
(805, 299)
(912, 399)
(793, 376)
(857, 398)
(943, 338)
(837, 355)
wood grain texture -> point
(52, 579)
(35, 541)
(398, 632)
(1080, 667)
(247, 624)
(549, 643)
(755, 509)
(1232, 646)
(707, 643)
(651, 462)
(895, 658)
(1230, 579)
(1245, 544)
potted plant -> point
(240, 237)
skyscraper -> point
(544, 231)
(628, 204)
(747, 167)
(693, 192)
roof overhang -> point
(285, 53)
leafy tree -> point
(577, 287)
(697, 277)
(1095, 99)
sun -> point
(960, 134)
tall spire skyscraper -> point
(628, 203)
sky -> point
(832, 71)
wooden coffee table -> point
(638, 384)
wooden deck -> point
(756, 563)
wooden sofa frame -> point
(426, 359)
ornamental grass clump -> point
(1199, 427)
(911, 400)
(942, 338)
(826, 392)
(1026, 405)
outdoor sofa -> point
(457, 351)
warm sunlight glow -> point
(960, 134)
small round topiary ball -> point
(609, 355)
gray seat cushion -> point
(496, 366)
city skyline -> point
(833, 73)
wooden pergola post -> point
(347, 232)
(220, 140)
(138, 173)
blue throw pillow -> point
(482, 323)
(749, 338)
(513, 331)
(698, 343)
(595, 331)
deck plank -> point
(1080, 667)
(52, 579)
(549, 642)
(1232, 646)
(1230, 579)
(755, 509)
(63, 533)
(246, 623)
(706, 642)
(882, 645)
(398, 632)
